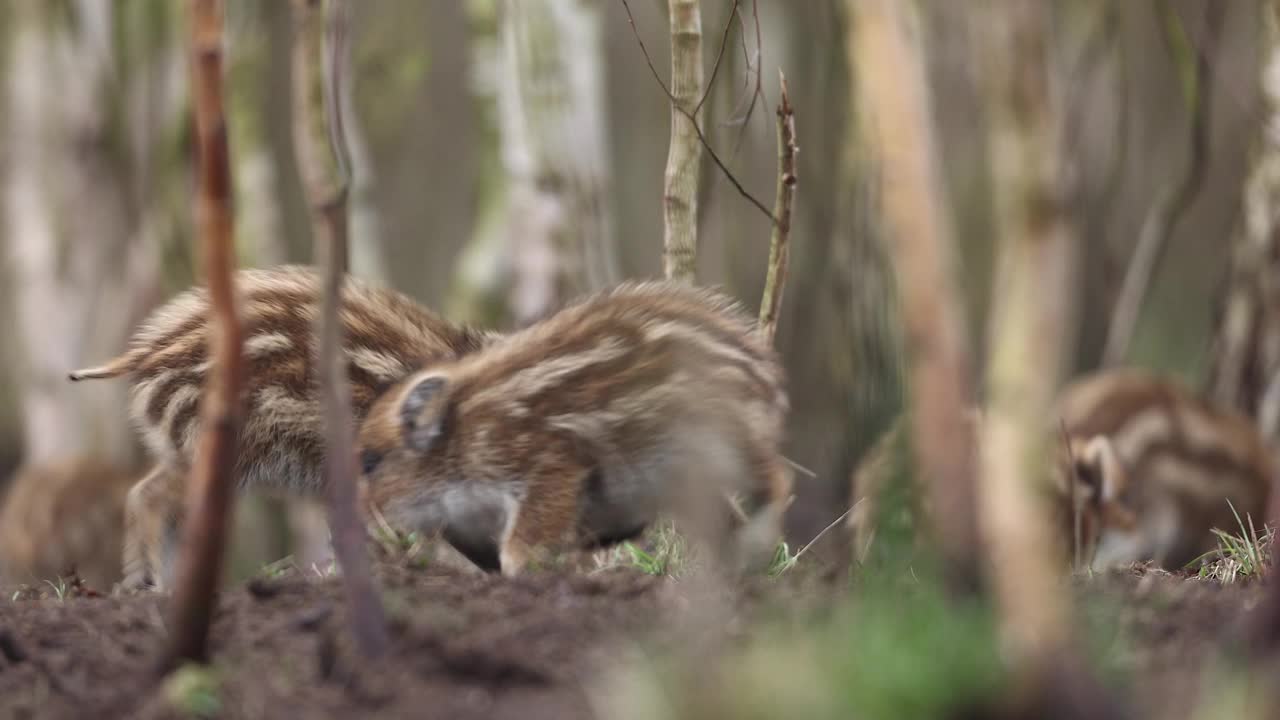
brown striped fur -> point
(1153, 468)
(387, 336)
(1156, 466)
(64, 517)
(580, 430)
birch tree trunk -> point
(1245, 373)
(1245, 370)
(684, 160)
(95, 201)
(81, 274)
(551, 236)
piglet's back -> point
(620, 354)
(387, 336)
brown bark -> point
(320, 62)
(915, 214)
(210, 491)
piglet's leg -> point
(545, 517)
(153, 510)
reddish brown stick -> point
(322, 156)
(209, 492)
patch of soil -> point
(1164, 631)
(480, 646)
(464, 646)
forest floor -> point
(475, 646)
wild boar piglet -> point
(1139, 469)
(281, 449)
(1155, 470)
(578, 432)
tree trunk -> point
(209, 493)
(1245, 370)
(1245, 373)
(898, 125)
(1028, 325)
(551, 237)
(680, 186)
(842, 288)
(74, 300)
(321, 68)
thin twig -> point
(1072, 484)
(1099, 43)
(715, 69)
(209, 492)
(800, 468)
(1176, 197)
(759, 89)
(780, 240)
(696, 127)
(824, 531)
(753, 72)
(320, 126)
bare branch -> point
(733, 180)
(321, 43)
(753, 74)
(759, 89)
(1177, 196)
(715, 69)
(209, 493)
(1098, 44)
(1073, 484)
(780, 240)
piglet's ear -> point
(1101, 454)
(422, 410)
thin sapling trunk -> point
(320, 63)
(210, 491)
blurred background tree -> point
(463, 108)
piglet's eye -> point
(369, 461)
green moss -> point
(193, 690)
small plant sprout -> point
(1237, 556)
(783, 560)
(279, 567)
(59, 587)
(668, 555)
